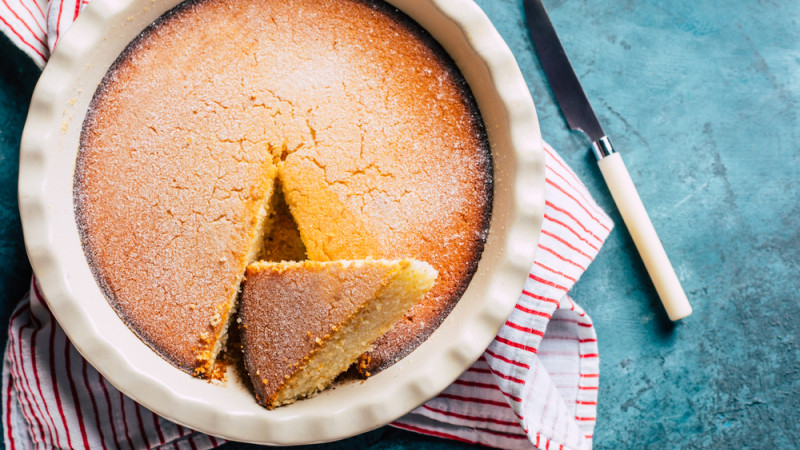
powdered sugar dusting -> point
(364, 121)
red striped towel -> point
(536, 384)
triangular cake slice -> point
(304, 323)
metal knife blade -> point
(563, 81)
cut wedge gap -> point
(283, 241)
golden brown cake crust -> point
(367, 123)
(289, 311)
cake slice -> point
(304, 323)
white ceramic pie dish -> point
(47, 162)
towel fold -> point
(535, 386)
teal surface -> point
(701, 98)
(18, 76)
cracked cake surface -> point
(346, 108)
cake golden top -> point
(366, 123)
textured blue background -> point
(701, 98)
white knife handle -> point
(644, 236)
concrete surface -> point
(701, 98)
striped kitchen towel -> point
(537, 382)
(535, 386)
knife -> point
(580, 116)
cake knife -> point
(580, 116)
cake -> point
(304, 323)
(346, 110)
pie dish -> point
(48, 158)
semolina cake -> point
(345, 110)
(304, 323)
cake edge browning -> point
(205, 354)
(79, 199)
(376, 361)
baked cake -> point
(347, 108)
(304, 323)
